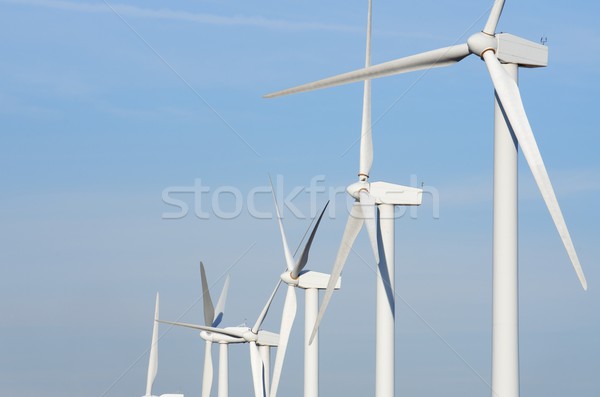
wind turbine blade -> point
(492, 22)
(304, 257)
(287, 320)
(220, 309)
(426, 60)
(153, 360)
(509, 96)
(257, 370)
(289, 259)
(265, 309)
(207, 376)
(369, 210)
(366, 134)
(209, 309)
(355, 222)
(223, 331)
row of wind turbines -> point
(259, 341)
(503, 54)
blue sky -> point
(104, 105)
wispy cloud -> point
(168, 14)
(11, 105)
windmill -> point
(212, 318)
(311, 282)
(503, 54)
(153, 361)
(373, 207)
(259, 342)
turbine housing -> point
(216, 337)
(525, 53)
(387, 193)
(266, 338)
(309, 279)
(510, 49)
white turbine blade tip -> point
(583, 283)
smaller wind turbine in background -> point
(153, 361)
(259, 341)
(296, 276)
(373, 207)
(212, 318)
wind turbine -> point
(296, 277)
(503, 55)
(258, 340)
(153, 361)
(373, 201)
(212, 318)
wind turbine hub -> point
(287, 278)
(249, 336)
(354, 189)
(481, 42)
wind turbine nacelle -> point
(525, 53)
(266, 338)
(216, 337)
(315, 280)
(389, 193)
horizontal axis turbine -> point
(493, 49)
(503, 54)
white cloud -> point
(165, 13)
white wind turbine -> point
(374, 201)
(212, 318)
(258, 340)
(153, 360)
(296, 277)
(503, 54)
